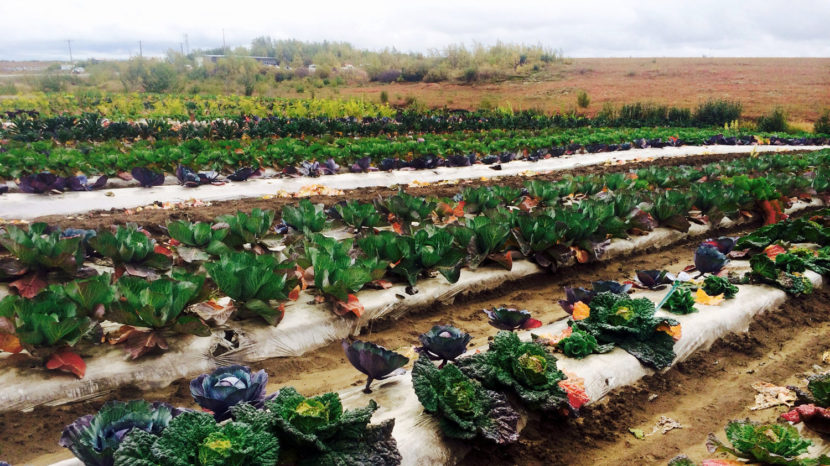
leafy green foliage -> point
(764, 443)
(128, 245)
(336, 272)
(305, 217)
(427, 249)
(358, 215)
(714, 285)
(819, 386)
(407, 208)
(790, 231)
(252, 281)
(578, 344)
(465, 409)
(95, 438)
(157, 304)
(631, 325)
(49, 319)
(767, 271)
(681, 301)
(318, 430)
(488, 197)
(481, 237)
(670, 209)
(524, 367)
(247, 228)
(195, 438)
(199, 235)
(38, 249)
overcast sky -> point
(38, 29)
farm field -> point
(798, 84)
(253, 280)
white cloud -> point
(39, 28)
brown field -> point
(799, 85)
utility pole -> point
(181, 45)
(140, 50)
(69, 43)
(224, 47)
(186, 44)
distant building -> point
(268, 61)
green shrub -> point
(583, 100)
(822, 125)
(717, 112)
(774, 121)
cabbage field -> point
(486, 314)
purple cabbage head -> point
(94, 438)
(708, 259)
(653, 279)
(362, 165)
(373, 360)
(228, 386)
(444, 343)
(42, 183)
(612, 286)
(187, 177)
(4, 189)
(244, 173)
(505, 318)
(724, 244)
(81, 183)
(330, 167)
(147, 178)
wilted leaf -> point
(67, 360)
(702, 298)
(10, 343)
(28, 286)
(581, 311)
(218, 311)
(352, 305)
(189, 254)
(139, 343)
(773, 250)
(575, 388)
(672, 330)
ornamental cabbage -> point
(317, 431)
(228, 386)
(525, 367)
(465, 409)
(195, 438)
(94, 439)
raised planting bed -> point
(304, 328)
(27, 206)
(419, 437)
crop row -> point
(359, 154)
(155, 284)
(30, 126)
(473, 397)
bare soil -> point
(801, 86)
(35, 434)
